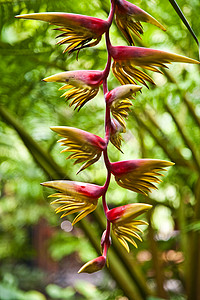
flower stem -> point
(106, 72)
(107, 68)
(107, 125)
(105, 90)
(105, 187)
(107, 163)
(105, 206)
(107, 240)
(112, 11)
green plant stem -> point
(185, 138)
(124, 279)
(184, 239)
(163, 142)
(40, 155)
(153, 246)
(166, 141)
(193, 272)
(184, 20)
(156, 259)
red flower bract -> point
(119, 101)
(123, 224)
(115, 134)
(137, 175)
(128, 17)
(86, 147)
(77, 30)
(126, 58)
(75, 197)
(81, 86)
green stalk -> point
(156, 259)
(185, 138)
(184, 238)
(163, 142)
(176, 150)
(153, 246)
(40, 155)
(193, 272)
(184, 20)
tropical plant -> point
(136, 175)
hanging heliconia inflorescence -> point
(138, 175)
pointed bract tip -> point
(60, 77)
(53, 127)
(45, 183)
(137, 87)
(169, 163)
(24, 16)
(53, 184)
(56, 128)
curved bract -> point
(86, 147)
(123, 224)
(115, 134)
(81, 85)
(119, 101)
(78, 31)
(137, 175)
(74, 197)
(127, 59)
(128, 17)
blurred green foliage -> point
(164, 124)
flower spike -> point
(128, 17)
(127, 58)
(78, 30)
(137, 175)
(74, 197)
(86, 147)
(123, 225)
(81, 86)
(129, 64)
(119, 102)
